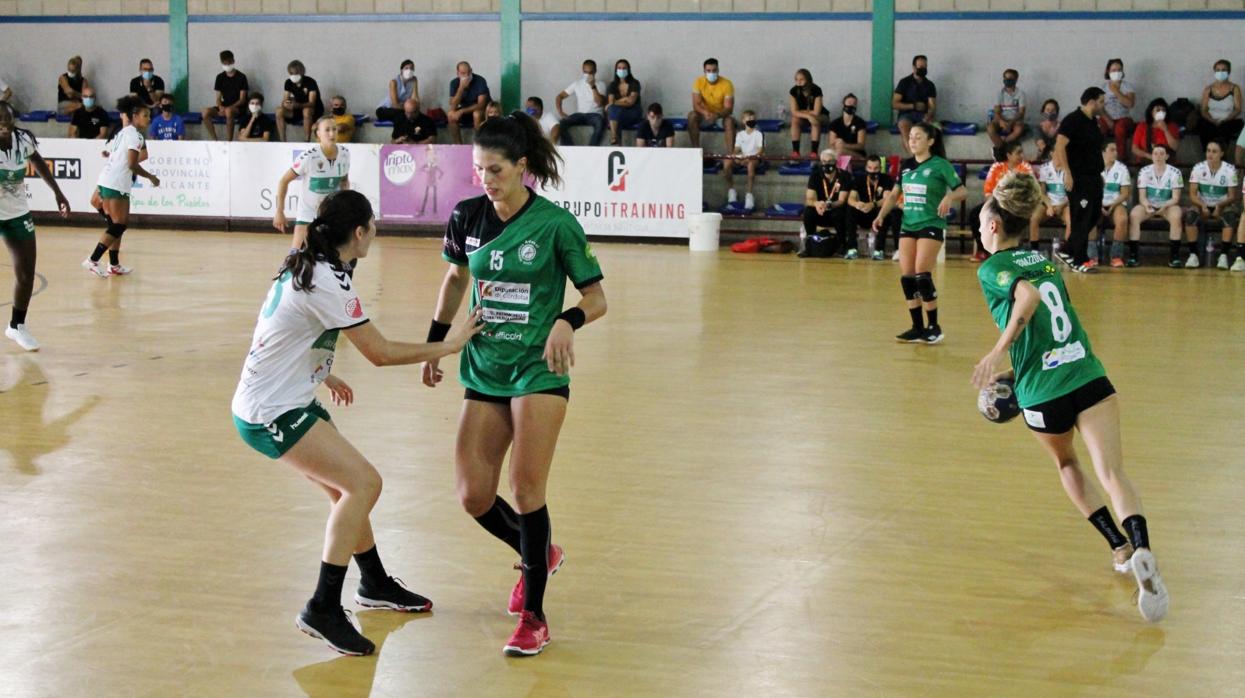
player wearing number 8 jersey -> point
(1060, 384)
(516, 251)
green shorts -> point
(106, 193)
(280, 435)
(21, 228)
(302, 222)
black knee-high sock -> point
(328, 594)
(1136, 527)
(371, 567)
(503, 522)
(18, 317)
(1193, 247)
(933, 316)
(114, 257)
(534, 530)
(815, 148)
(918, 320)
(1102, 521)
(100, 249)
(795, 146)
(1134, 248)
(1035, 245)
(1175, 249)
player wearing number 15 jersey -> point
(516, 251)
(1060, 384)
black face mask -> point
(873, 175)
(338, 111)
(849, 110)
(1009, 82)
(922, 72)
(751, 124)
(827, 169)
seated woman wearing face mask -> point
(1155, 131)
(401, 88)
(1048, 123)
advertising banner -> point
(423, 183)
(194, 180)
(255, 168)
(75, 164)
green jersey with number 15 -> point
(1052, 356)
(519, 269)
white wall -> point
(667, 57)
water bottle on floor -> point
(1055, 245)
(1210, 252)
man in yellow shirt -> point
(343, 119)
(713, 99)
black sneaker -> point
(392, 594)
(912, 336)
(1132, 261)
(336, 628)
(932, 335)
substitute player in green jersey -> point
(18, 150)
(516, 251)
(1059, 382)
(930, 187)
(311, 302)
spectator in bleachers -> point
(147, 86)
(1048, 125)
(1009, 159)
(589, 104)
(1117, 193)
(1158, 196)
(1213, 193)
(343, 118)
(749, 146)
(656, 131)
(847, 133)
(1221, 108)
(70, 86)
(469, 96)
(624, 109)
(713, 100)
(1055, 196)
(231, 97)
(1007, 123)
(865, 200)
(492, 110)
(166, 125)
(259, 126)
(6, 92)
(807, 105)
(411, 125)
(1155, 131)
(401, 88)
(915, 99)
(535, 108)
(302, 104)
(825, 202)
(90, 120)
(1116, 121)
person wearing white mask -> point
(1221, 107)
(259, 126)
(302, 104)
(589, 104)
(1116, 120)
(231, 97)
(148, 86)
(713, 100)
(401, 88)
(69, 87)
(1155, 131)
(625, 109)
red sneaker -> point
(1117, 262)
(529, 638)
(795, 155)
(518, 595)
(980, 256)
(1090, 263)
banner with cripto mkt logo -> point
(645, 192)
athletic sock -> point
(1174, 249)
(99, 252)
(815, 147)
(1136, 527)
(933, 316)
(114, 257)
(1134, 248)
(329, 587)
(1193, 247)
(534, 529)
(371, 567)
(795, 147)
(1035, 245)
(1102, 521)
(918, 320)
(503, 522)
(19, 317)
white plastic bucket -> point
(703, 232)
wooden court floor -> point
(760, 494)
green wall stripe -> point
(511, 55)
(179, 54)
(882, 85)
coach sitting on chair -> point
(825, 207)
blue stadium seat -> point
(769, 125)
(192, 118)
(742, 169)
(36, 116)
(715, 168)
(64, 118)
(382, 124)
(735, 210)
(360, 118)
(803, 168)
(983, 172)
(959, 128)
(788, 210)
(961, 170)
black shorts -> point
(1058, 416)
(564, 392)
(930, 233)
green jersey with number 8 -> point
(1052, 356)
(519, 270)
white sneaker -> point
(1192, 262)
(1122, 558)
(1223, 261)
(1239, 264)
(118, 270)
(1151, 594)
(22, 336)
(895, 257)
(749, 202)
(731, 196)
(95, 268)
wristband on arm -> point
(438, 331)
(574, 317)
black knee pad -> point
(909, 286)
(104, 214)
(925, 287)
(116, 230)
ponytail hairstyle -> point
(10, 114)
(517, 136)
(341, 213)
(131, 105)
(935, 134)
(1014, 202)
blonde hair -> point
(748, 112)
(1014, 201)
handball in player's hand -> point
(997, 401)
